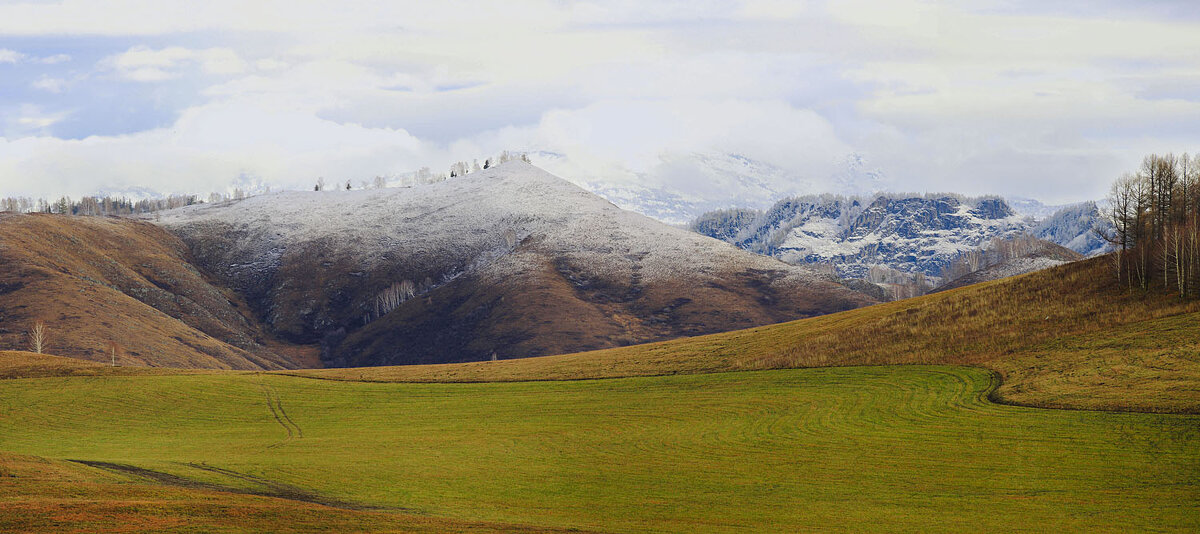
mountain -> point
(1074, 227)
(678, 187)
(1031, 207)
(1030, 254)
(95, 281)
(507, 262)
(905, 232)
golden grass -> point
(1066, 337)
(43, 495)
(99, 280)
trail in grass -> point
(275, 406)
(878, 448)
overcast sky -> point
(1036, 98)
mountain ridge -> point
(490, 264)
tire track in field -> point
(263, 487)
(275, 405)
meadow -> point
(1068, 337)
(874, 448)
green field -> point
(887, 448)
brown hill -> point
(511, 262)
(97, 281)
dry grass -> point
(1065, 337)
(42, 495)
(96, 281)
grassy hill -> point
(667, 442)
(95, 281)
(896, 449)
(1065, 337)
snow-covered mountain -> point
(1032, 208)
(904, 232)
(678, 187)
(510, 261)
(1075, 227)
(909, 233)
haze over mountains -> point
(678, 187)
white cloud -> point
(10, 56)
(206, 149)
(49, 84)
(28, 120)
(54, 59)
(942, 95)
(144, 64)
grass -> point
(1066, 337)
(101, 280)
(673, 441)
(917, 448)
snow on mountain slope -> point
(511, 261)
(1033, 208)
(1075, 227)
(678, 187)
(904, 232)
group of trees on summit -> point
(119, 206)
(1155, 216)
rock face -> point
(908, 233)
(506, 262)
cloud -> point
(28, 120)
(49, 84)
(54, 59)
(144, 64)
(977, 97)
(205, 150)
(10, 56)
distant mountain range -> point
(908, 233)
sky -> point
(1042, 99)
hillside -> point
(96, 281)
(1043, 256)
(684, 447)
(507, 262)
(1065, 337)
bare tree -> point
(113, 350)
(37, 337)
(393, 296)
